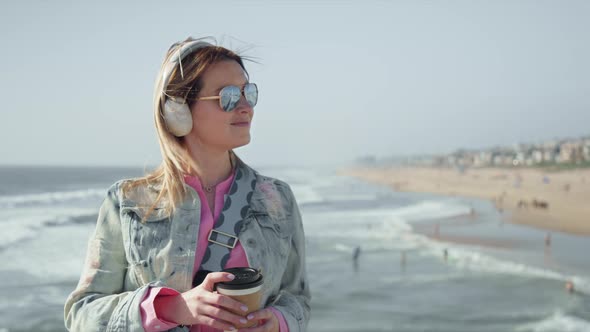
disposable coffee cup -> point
(245, 288)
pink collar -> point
(222, 186)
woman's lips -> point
(241, 124)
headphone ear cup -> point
(178, 117)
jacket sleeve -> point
(99, 303)
(293, 300)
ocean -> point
(494, 276)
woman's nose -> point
(244, 105)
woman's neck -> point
(212, 166)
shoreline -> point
(546, 200)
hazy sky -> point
(337, 79)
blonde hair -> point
(176, 161)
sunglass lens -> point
(251, 94)
(230, 96)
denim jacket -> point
(125, 256)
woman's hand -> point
(270, 322)
(201, 306)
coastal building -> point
(566, 151)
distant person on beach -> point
(498, 203)
(569, 287)
(446, 254)
(162, 240)
(548, 240)
(356, 252)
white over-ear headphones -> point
(175, 110)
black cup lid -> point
(245, 277)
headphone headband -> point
(176, 58)
(187, 48)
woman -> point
(161, 240)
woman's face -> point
(212, 127)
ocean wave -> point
(306, 194)
(466, 258)
(558, 321)
(390, 229)
(50, 197)
(348, 202)
(432, 210)
(28, 225)
(420, 211)
(394, 232)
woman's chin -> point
(241, 142)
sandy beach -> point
(557, 201)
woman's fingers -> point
(217, 324)
(214, 277)
(269, 322)
(223, 315)
(261, 314)
(226, 302)
(220, 307)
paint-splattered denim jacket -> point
(126, 256)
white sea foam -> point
(468, 258)
(558, 321)
(48, 198)
(390, 230)
(26, 223)
(305, 194)
(342, 247)
(420, 211)
(56, 253)
(432, 210)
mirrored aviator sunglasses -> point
(229, 96)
